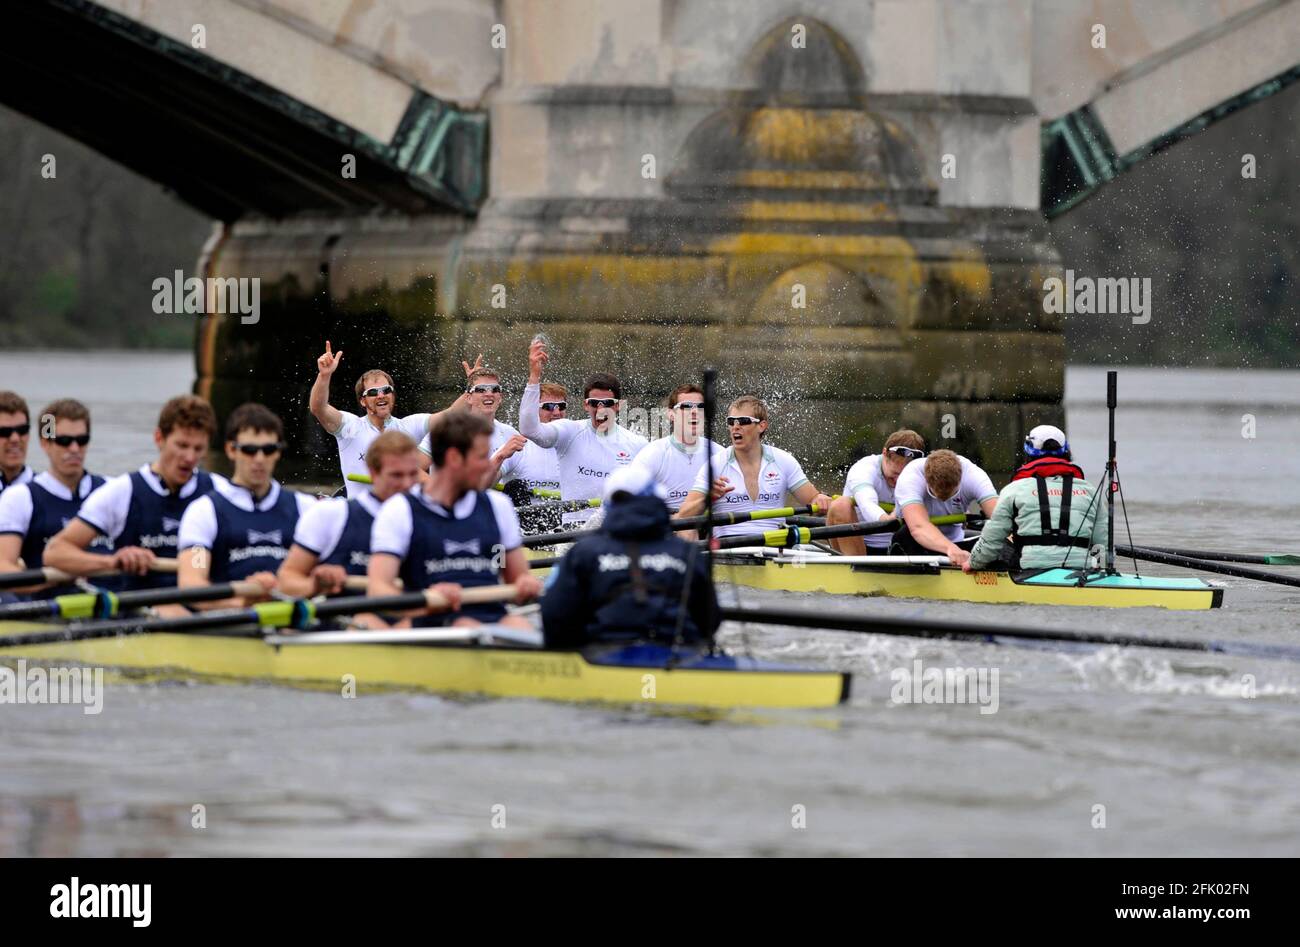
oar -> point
(1259, 559)
(295, 613)
(44, 574)
(690, 522)
(536, 491)
(1201, 565)
(993, 634)
(796, 535)
(104, 604)
(787, 537)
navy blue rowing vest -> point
(445, 549)
(50, 514)
(249, 542)
(152, 522)
(352, 551)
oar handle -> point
(479, 595)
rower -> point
(15, 431)
(242, 529)
(332, 539)
(749, 475)
(675, 461)
(870, 482)
(140, 513)
(448, 533)
(33, 512)
(939, 485)
(1048, 516)
(538, 468)
(482, 397)
(377, 397)
(588, 451)
(632, 579)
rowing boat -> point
(929, 578)
(632, 674)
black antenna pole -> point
(710, 405)
(1112, 474)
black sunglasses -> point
(251, 450)
(19, 429)
(485, 390)
(548, 405)
(911, 453)
(67, 440)
(742, 420)
(381, 390)
(602, 402)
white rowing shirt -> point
(500, 434)
(321, 527)
(356, 434)
(778, 474)
(586, 456)
(867, 486)
(393, 525)
(16, 504)
(975, 487)
(673, 465)
(199, 521)
(106, 509)
(539, 467)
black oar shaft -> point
(1249, 558)
(972, 631)
(1186, 562)
(124, 601)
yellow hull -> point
(948, 584)
(491, 672)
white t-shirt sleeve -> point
(105, 510)
(305, 501)
(347, 427)
(794, 475)
(650, 460)
(319, 528)
(392, 530)
(977, 483)
(910, 487)
(507, 520)
(414, 426)
(198, 525)
(16, 510)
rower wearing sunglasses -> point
(674, 461)
(140, 512)
(534, 467)
(244, 527)
(871, 482)
(377, 397)
(31, 513)
(588, 451)
(483, 397)
(939, 485)
(15, 430)
(750, 475)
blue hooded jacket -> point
(593, 594)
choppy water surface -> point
(1168, 742)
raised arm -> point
(321, 409)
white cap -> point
(635, 480)
(1039, 436)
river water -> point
(1169, 749)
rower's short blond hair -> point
(943, 473)
(388, 444)
(905, 438)
(753, 404)
(553, 392)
